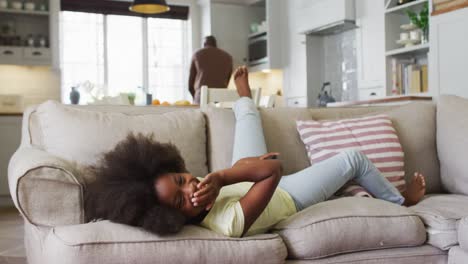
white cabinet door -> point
(449, 54)
(294, 52)
(10, 137)
(230, 26)
(370, 46)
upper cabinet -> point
(370, 48)
(313, 15)
(27, 32)
(449, 55)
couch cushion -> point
(374, 136)
(441, 214)
(220, 126)
(457, 256)
(463, 233)
(81, 135)
(452, 143)
(348, 225)
(106, 242)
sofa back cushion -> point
(414, 124)
(452, 143)
(80, 135)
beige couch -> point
(47, 177)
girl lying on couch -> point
(145, 183)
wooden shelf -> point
(417, 49)
(24, 12)
(403, 8)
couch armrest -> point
(47, 190)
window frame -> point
(183, 94)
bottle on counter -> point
(74, 96)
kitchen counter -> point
(11, 114)
(390, 100)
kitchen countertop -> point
(11, 114)
(381, 101)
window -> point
(118, 54)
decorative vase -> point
(74, 96)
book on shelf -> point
(408, 77)
(424, 80)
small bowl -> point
(16, 5)
(29, 6)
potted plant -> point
(421, 20)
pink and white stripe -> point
(374, 136)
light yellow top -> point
(227, 218)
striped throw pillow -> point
(374, 136)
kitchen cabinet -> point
(370, 48)
(448, 57)
(312, 14)
(229, 24)
(294, 54)
(10, 138)
(18, 25)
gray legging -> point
(316, 183)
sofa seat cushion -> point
(81, 135)
(403, 255)
(106, 242)
(348, 225)
(457, 256)
(441, 215)
(463, 233)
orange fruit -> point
(155, 102)
(165, 103)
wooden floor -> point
(11, 237)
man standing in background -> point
(210, 66)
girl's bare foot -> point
(415, 190)
(241, 79)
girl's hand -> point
(208, 190)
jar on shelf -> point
(42, 41)
(30, 40)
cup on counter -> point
(404, 36)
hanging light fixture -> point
(149, 6)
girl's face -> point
(176, 190)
